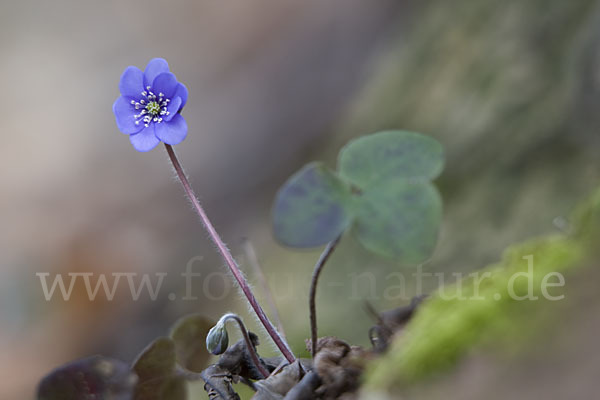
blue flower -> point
(149, 107)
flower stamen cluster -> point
(153, 107)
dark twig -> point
(313, 291)
(305, 389)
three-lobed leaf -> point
(382, 189)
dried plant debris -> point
(333, 374)
(279, 383)
(305, 389)
(235, 365)
(218, 383)
(160, 371)
(238, 362)
(339, 366)
(390, 323)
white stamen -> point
(152, 107)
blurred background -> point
(510, 88)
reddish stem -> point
(229, 260)
(312, 307)
(249, 344)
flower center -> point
(151, 106)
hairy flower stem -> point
(313, 292)
(229, 260)
(249, 344)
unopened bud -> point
(217, 339)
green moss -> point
(466, 317)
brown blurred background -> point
(510, 88)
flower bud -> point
(217, 339)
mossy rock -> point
(447, 329)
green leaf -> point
(90, 378)
(311, 207)
(175, 388)
(157, 359)
(189, 335)
(155, 367)
(399, 219)
(170, 387)
(386, 155)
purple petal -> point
(154, 67)
(173, 108)
(146, 140)
(132, 82)
(165, 83)
(172, 132)
(124, 113)
(182, 92)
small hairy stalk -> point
(253, 261)
(229, 260)
(249, 345)
(313, 292)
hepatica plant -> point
(381, 193)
